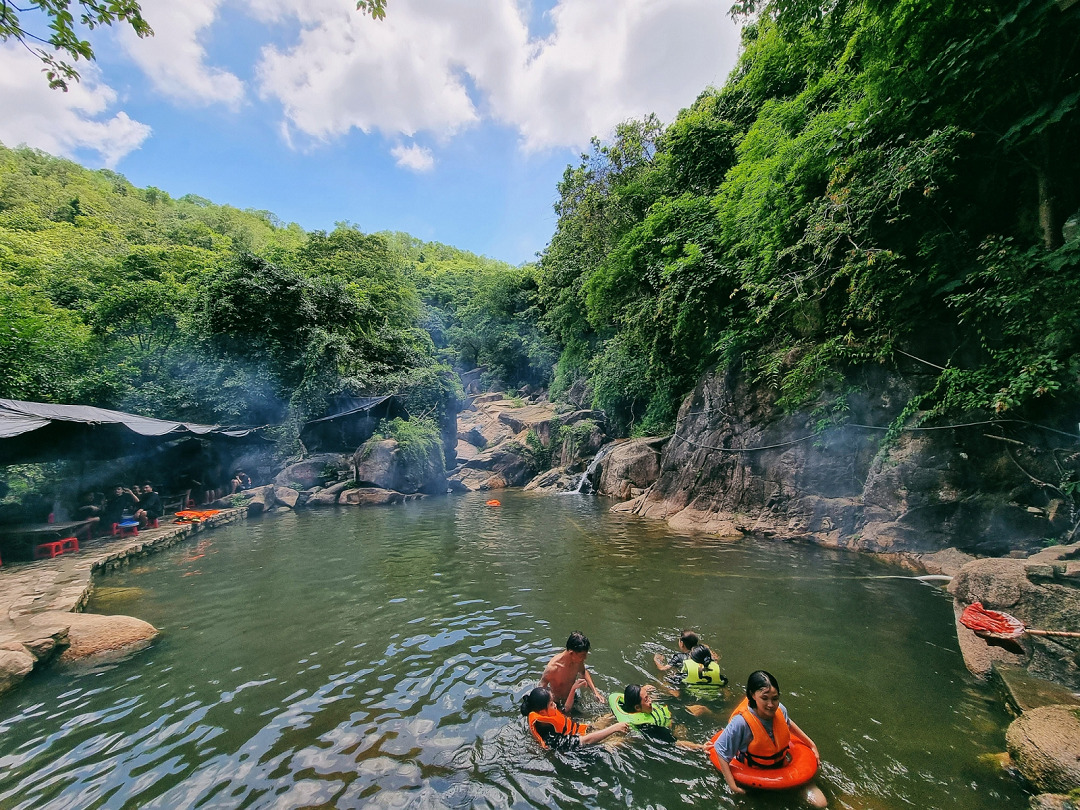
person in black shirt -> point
(687, 641)
(119, 506)
(151, 506)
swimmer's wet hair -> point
(689, 639)
(701, 655)
(631, 698)
(536, 701)
(578, 642)
(759, 679)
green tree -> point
(64, 42)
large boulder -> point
(580, 439)
(81, 635)
(510, 464)
(91, 634)
(630, 465)
(1043, 743)
(328, 496)
(15, 664)
(465, 452)
(540, 419)
(317, 470)
(260, 499)
(471, 434)
(1042, 591)
(383, 464)
(286, 496)
(557, 479)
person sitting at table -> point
(119, 507)
(91, 506)
(151, 507)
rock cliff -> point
(739, 463)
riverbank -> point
(35, 596)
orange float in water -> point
(493, 502)
(798, 771)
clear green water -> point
(375, 658)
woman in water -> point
(553, 729)
(636, 707)
(758, 732)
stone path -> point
(63, 584)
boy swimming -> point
(566, 669)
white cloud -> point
(398, 76)
(174, 58)
(599, 68)
(438, 66)
(62, 123)
(415, 157)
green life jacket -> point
(709, 676)
(659, 716)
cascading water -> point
(585, 484)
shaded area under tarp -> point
(32, 432)
(353, 423)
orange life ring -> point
(493, 502)
(800, 770)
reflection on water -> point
(375, 658)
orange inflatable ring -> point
(493, 502)
(798, 771)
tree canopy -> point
(126, 298)
(875, 182)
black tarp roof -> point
(37, 431)
(353, 422)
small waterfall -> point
(585, 483)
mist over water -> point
(375, 658)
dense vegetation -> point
(122, 297)
(875, 182)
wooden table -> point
(20, 538)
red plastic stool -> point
(69, 544)
(46, 551)
(124, 529)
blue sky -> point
(452, 120)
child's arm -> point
(733, 786)
(800, 734)
(588, 680)
(661, 662)
(604, 733)
(580, 682)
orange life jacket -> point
(764, 751)
(562, 724)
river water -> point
(375, 658)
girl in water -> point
(757, 735)
(553, 729)
(637, 707)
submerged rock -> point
(370, 496)
(1045, 745)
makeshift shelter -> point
(32, 432)
(353, 423)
